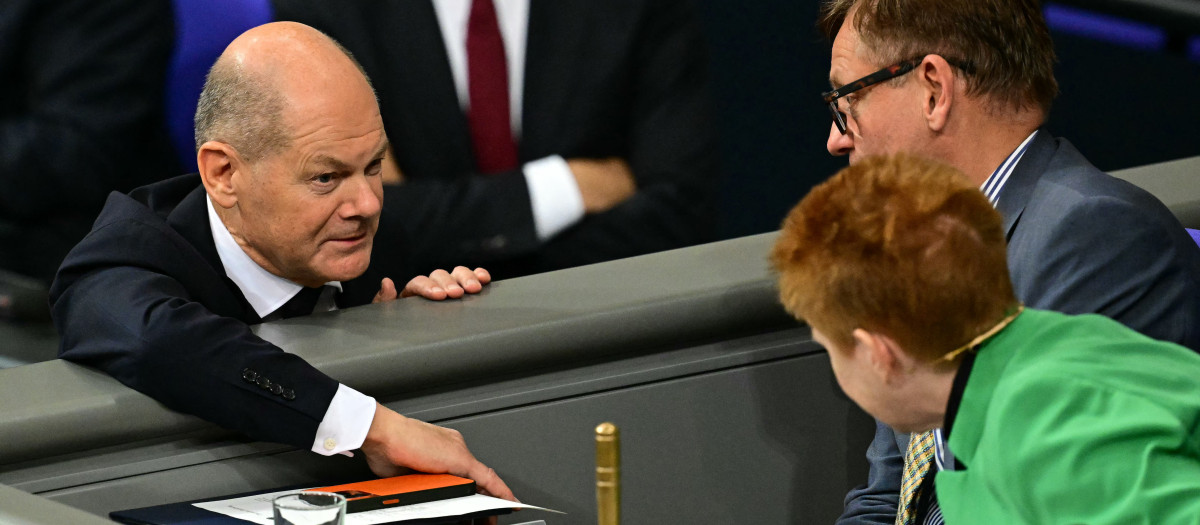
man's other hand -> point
(603, 183)
(442, 284)
(395, 443)
(391, 173)
(387, 291)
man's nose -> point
(363, 197)
(839, 143)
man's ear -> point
(936, 78)
(219, 163)
(882, 353)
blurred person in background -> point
(81, 114)
(537, 134)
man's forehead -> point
(846, 56)
(330, 111)
(334, 159)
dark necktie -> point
(300, 304)
(487, 82)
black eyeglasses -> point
(887, 73)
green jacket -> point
(1076, 419)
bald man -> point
(279, 222)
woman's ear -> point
(883, 355)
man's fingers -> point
(491, 484)
(442, 284)
(395, 442)
(483, 276)
(424, 287)
(387, 291)
(467, 279)
(448, 283)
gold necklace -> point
(950, 356)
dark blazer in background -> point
(618, 78)
(144, 297)
(81, 114)
(1079, 241)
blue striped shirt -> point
(995, 182)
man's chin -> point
(347, 267)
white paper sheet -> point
(257, 509)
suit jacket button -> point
(289, 394)
(276, 389)
(264, 383)
(249, 375)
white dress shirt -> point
(553, 194)
(349, 416)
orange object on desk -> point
(409, 489)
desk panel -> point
(1176, 183)
(723, 401)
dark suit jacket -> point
(145, 298)
(1079, 241)
(81, 114)
(624, 78)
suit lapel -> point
(407, 34)
(1020, 185)
(190, 220)
(556, 34)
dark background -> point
(1127, 97)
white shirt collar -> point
(265, 291)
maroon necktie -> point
(487, 80)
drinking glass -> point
(310, 508)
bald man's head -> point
(290, 148)
(248, 88)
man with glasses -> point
(970, 84)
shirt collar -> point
(265, 291)
(995, 182)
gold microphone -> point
(608, 474)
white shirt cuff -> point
(556, 201)
(346, 423)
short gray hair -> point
(241, 110)
(244, 111)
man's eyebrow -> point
(336, 164)
(330, 162)
(382, 150)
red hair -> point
(897, 245)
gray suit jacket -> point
(1079, 241)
